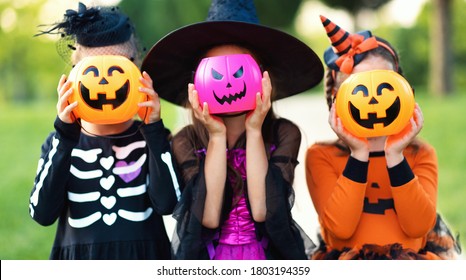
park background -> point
(30, 68)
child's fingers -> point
(147, 76)
(190, 93)
(60, 83)
(64, 88)
(258, 101)
(145, 80)
(63, 100)
(66, 115)
(195, 100)
(266, 84)
(205, 110)
(70, 108)
(149, 91)
(146, 104)
(418, 116)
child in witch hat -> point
(343, 175)
(238, 169)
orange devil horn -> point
(340, 39)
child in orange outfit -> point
(375, 197)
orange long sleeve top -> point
(396, 205)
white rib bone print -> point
(126, 171)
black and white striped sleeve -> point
(48, 195)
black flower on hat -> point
(94, 27)
(75, 19)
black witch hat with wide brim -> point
(171, 62)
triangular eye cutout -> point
(239, 73)
(216, 75)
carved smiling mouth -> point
(231, 97)
(121, 95)
(391, 114)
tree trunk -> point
(441, 58)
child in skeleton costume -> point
(375, 197)
(107, 184)
(238, 169)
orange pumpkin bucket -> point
(106, 88)
(375, 103)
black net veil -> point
(98, 30)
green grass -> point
(24, 128)
(445, 129)
(22, 131)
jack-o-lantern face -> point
(228, 83)
(375, 103)
(106, 88)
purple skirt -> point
(251, 251)
(237, 240)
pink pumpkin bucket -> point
(228, 83)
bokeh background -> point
(429, 35)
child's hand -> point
(153, 104)
(255, 119)
(395, 144)
(64, 109)
(359, 146)
(214, 125)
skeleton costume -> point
(366, 210)
(293, 68)
(108, 193)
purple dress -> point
(237, 235)
(279, 237)
(237, 240)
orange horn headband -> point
(358, 45)
(339, 38)
(346, 45)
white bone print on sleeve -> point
(46, 167)
(166, 157)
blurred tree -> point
(459, 45)
(441, 56)
(354, 7)
(155, 19)
(417, 50)
(29, 67)
(412, 44)
(278, 14)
